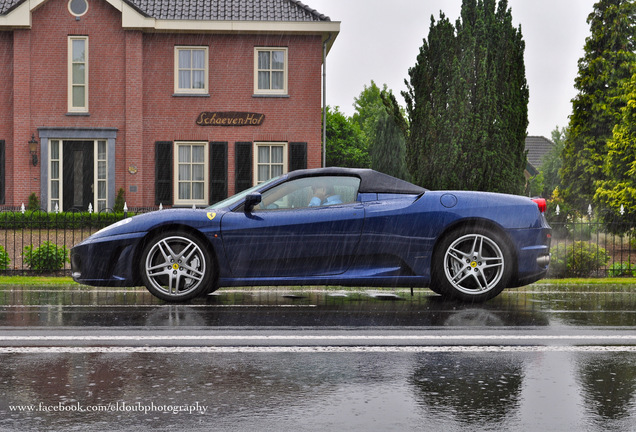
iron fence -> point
(581, 246)
(38, 242)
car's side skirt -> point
(399, 281)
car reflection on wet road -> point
(532, 359)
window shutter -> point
(243, 164)
(2, 171)
(218, 171)
(163, 172)
(297, 156)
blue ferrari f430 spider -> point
(329, 226)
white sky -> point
(379, 40)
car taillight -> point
(541, 202)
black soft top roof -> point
(370, 181)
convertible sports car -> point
(328, 226)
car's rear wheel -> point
(176, 267)
(472, 264)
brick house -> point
(177, 102)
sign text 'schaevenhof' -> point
(230, 118)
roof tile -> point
(537, 147)
(214, 10)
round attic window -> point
(78, 7)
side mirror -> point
(252, 200)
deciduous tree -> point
(346, 143)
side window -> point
(311, 192)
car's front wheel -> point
(176, 267)
(472, 264)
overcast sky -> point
(379, 40)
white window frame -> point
(55, 175)
(70, 8)
(206, 168)
(257, 163)
(270, 91)
(100, 180)
(206, 69)
(71, 84)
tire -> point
(472, 265)
(177, 267)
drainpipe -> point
(324, 101)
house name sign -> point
(230, 118)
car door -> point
(285, 237)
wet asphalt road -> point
(531, 359)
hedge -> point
(64, 220)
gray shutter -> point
(163, 172)
(297, 156)
(2, 172)
(218, 171)
(243, 164)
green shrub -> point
(34, 202)
(46, 257)
(4, 259)
(579, 259)
(120, 200)
(622, 269)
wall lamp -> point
(33, 149)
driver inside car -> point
(324, 195)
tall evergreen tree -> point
(467, 101)
(430, 156)
(387, 149)
(619, 186)
(606, 63)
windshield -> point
(234, 199)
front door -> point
(78, 172)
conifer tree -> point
(429, 155)
(607, 62)
(387, 148)
(618, 189)
(467, 100)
